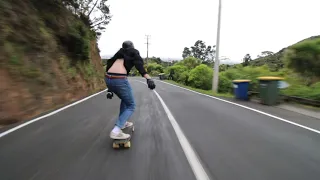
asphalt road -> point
(231, 142)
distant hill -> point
(106, 56)
(274, 60)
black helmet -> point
(127, 44)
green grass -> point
(308, 107)
(208, 92)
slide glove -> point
(151, 84)
(109, 94)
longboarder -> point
(117, 70)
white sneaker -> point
(127, 124)
(119, 135)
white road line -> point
(47, 115)
(255, 110)
(192, 158)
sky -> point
(247, 26)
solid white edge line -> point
(246, 107)
(49, 114)
(192, 157)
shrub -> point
(312, 92)
(304, 57)
(177, 71)
(225, 84)
(191, 62)
(154, 68)
(78, 42)
(183, 78)
(201, 77)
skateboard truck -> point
(109, 94)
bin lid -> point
(270, 78)
(241, 80)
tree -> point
(304, 57)
(223, 67)
(156, 60)
(186, 53)
(200, 51)
(209, 55)
(265, 53)
(84, 9)
(246, 60)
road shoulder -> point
(295, 117)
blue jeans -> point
(123, 90)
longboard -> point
(117, 143)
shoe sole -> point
(116, 138)
(126, 127)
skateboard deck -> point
(117, 143)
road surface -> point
(230, 142)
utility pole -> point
(216, 63)
(147, 48)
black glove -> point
(109, 94)
(151, 84)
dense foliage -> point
(304, 57)
(200, 51)
(52, 25)
(299, 64)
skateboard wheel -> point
(127, 145)
(114, 145)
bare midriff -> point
(118, 67)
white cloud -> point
(247, 26)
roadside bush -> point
(225, 85)
(249, 72)
(178, 71)
(191, 62)
(77, 41)
(201, 77)
(304, 57)
(312, 92)
(183, 78)
(154, 68)
(154, 73)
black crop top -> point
(131, 58)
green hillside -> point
(49, 56)
(275, 60)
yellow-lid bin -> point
(270, 78)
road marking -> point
(47, 115)
(192, 158)
(246, 107)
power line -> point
(148, 36)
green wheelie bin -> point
(268, 89)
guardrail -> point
(301, 100)
(296, 99)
